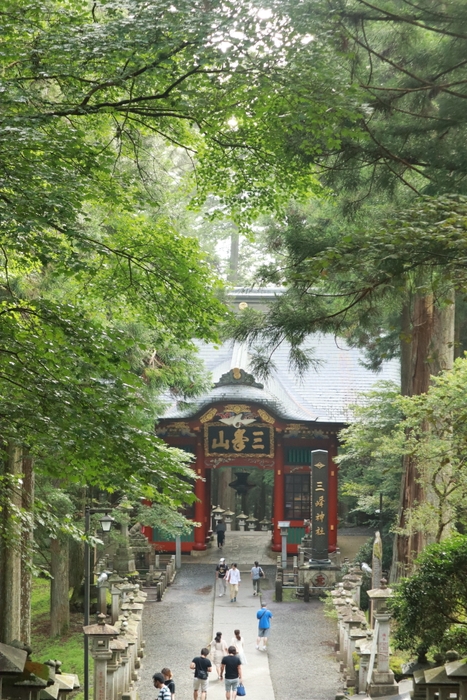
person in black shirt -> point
(169, 681)
(232, 670)
(203, 668)
(220, 530)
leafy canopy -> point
(429, 607)
(343, 277)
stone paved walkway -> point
(299, 665)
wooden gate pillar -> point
(279, 492)
(207, 503)
(201, 495)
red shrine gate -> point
(240, 434)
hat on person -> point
(222, 559)
(158, 677)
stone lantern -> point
(101, 635)
(12, 662)
(228, 515)
(284, 525)
(265, 524)
(379, 599)
(217, 515)
(382, 679)
(252, 522)
(241, 520)
(115, 591)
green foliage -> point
(167, 522)
(407, 63)
(329, 607)
(68, 649)
(353, 279)
(436, 437)
(429, 607)
(366, 470)
(100, 79)
(430, 429)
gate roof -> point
(324, 394)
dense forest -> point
(154, 153)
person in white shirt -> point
(238, 642)
(233, 578)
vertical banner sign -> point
(319, 505)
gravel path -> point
(176, 628)
(301, 659)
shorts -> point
(198, 684)
(231, 684)
(263, 632)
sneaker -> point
(254, 592)
(235, 600)
(220, 595)
(256, 647)
(231, 600)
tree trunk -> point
(76, 574)
(26, 555)
(10, 551)
(59, 588)
(427, 348)
(443, 338)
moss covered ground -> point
(68, 648)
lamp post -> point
(106, 524)
(178, 547)
(284, 527)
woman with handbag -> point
(256, 575)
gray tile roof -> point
(323, 394)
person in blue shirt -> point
(264, 617)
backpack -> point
(201, 673)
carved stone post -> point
(116, 593)
(382, 680)
(101, 634)
(363, 649)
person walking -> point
(233, 578)
(232, 670)
(218, 651)
(238, 642)
(220, 531)
(164, 692)
(169, 681)
(264, 617)
(203, 667)
(256, 575)
(221, 571)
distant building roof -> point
(323, 394)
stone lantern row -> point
(244, 521)
(24, 679)
(368, 642)
(117, 648)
